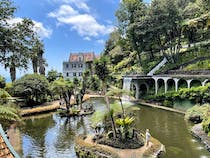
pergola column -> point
(188, 83)
(137, 91)
(204, 82)
(127, 83)
(156, 84)
(176, 80)
(166, 83)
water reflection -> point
(53, 137)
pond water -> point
(53, 137)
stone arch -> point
(195, 83)
(171, 85)
(205, 82)
(151, 86)
(182, 83)
(143, 88)
(135, 88)
(161, 85)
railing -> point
(13, 152)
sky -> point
(67, 26)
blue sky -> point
(68, 26)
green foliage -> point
(97, 117)
(52, 75)
(168, 103)
(101, 68)
(31, 87)
(197, 111)
(4, 96)
(206, 125)
(8, 113)
(125, 122)
(2, 82)
(94, 83)
(17, 41)
(200, 65)
(195, 94)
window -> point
(73, 65)
(67, 65)
(80, 65)
(74, 74)
(80, 73)
(67, 74)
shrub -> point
(168, 103)
(33, 87)
(197, 113)
(206, 125)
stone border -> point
(159, 107)
(86, 147)
(197, 131)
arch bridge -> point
(154, 84)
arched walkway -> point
(195, 83)
(143, 89)
(161, 85)
(171, 85)
(182, 84)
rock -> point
(197, 131)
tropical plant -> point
(63, 88)
(3, 96)
(8, 113)
(38, 62)
(124, 124)
(117, 92)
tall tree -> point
(16, 50)
(129, 13)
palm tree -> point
(64, 88)
(37, 57)
(117, 92)
(102, 71)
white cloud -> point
(42, 31)
(85, 24)
(87, 38)
(80, 4)
(100, 41)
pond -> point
(53, 137)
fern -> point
(9, 114)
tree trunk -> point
(123, 110)
(35, 65)
(111, 116)
(13, 73)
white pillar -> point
(166, 83)
(176, 80)
(156, 84)
(204, 82)
(137, 91)
(127, 83)
(188, 83)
